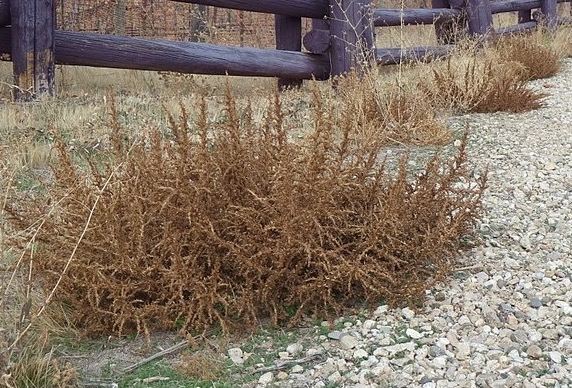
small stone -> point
(436, 351)
(297, 369)
(452, 337)
(266, 378)
(525, 243)
(335, 335)
(519, 336)
(360, 354)
(407, 313)
(294, 349)
(555, 357)
(312, 352)
(440, 297)
(381, 310)
(284, 355)
(463, 351)
(440, 362)
(335, 377)
(236, 355)
(412, 333)
(533, 351)
(535, 302)
(368, 324)
(506, 308)
(549, 166)
(282, 375)
(348, 342)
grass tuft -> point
(482, 86)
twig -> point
(281, 364)
(476, 266)
(172, 349)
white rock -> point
(295, 348)
(266, 378)
(412, 333)
(555, 357)
(407, 313)
(335, 377)
(440, 362)
(348, 341)
(236, 355)
(463, 351)
(360, 354)
(297, 369)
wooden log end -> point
(317, 41)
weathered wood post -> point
(351, 31)
(288, 37)
(549, 13)
(4, 12)
(446, 30)
(480, 17)
(33, 30)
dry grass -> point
(482, 86)
(538, 58)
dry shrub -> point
(538, 59)
(393, 111)
(229, 222)
(481, 86)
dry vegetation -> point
(205, 209)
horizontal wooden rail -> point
(316, 9)
(98, 50)
(514, 5)
(4, 12)
(515, 29)
(394, 17)
(390, 56)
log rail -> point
(341, 39)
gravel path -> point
(506, 321)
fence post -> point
(288, 37)
(4, 12)
(33, 28)
(480, 16)
(351, 34)
(446, 31)
(549, 13)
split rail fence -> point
(341, 39)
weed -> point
(481, 86)
(538, 59)
(253, 221)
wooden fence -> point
(342, 38)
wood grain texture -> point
(288, 31)
(32, 53)
(394, 17)
(99, 50)
(298, 8)
(389, 56)
(514, 5)
(4, 12)
(479, 17)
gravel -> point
(505, 318)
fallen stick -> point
(169, 350)
(281, 364)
